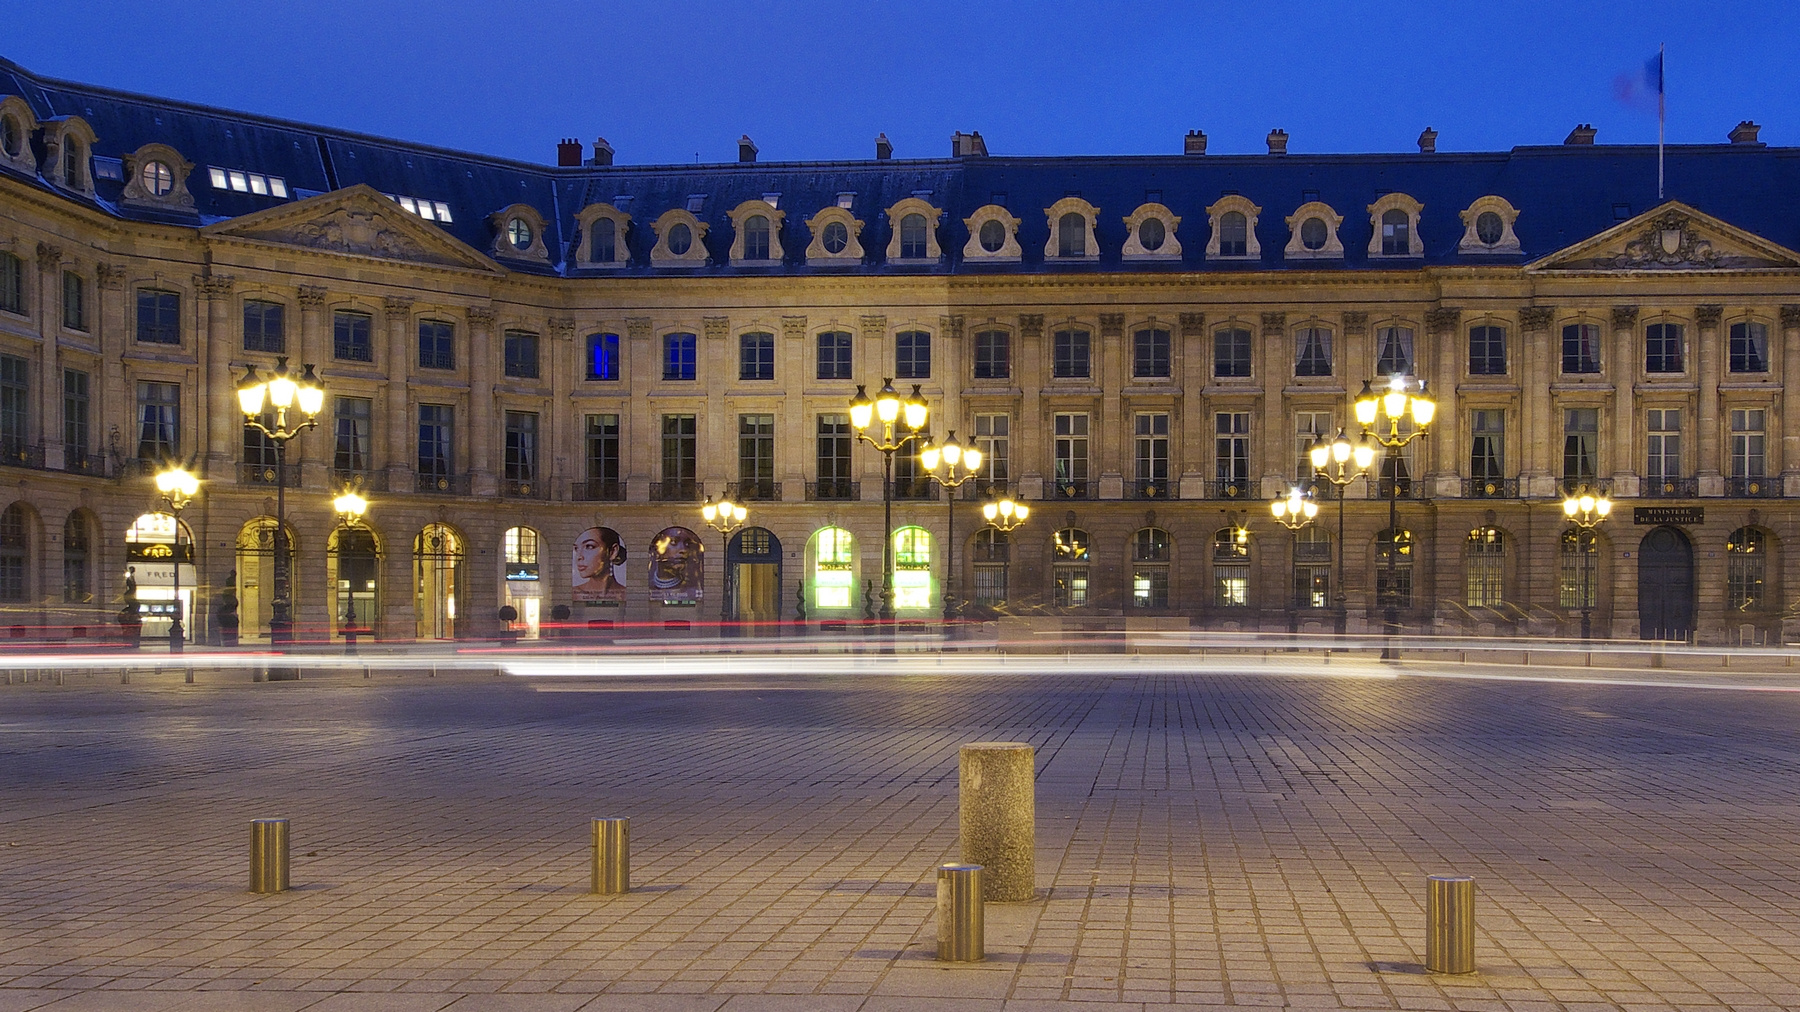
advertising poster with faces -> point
(599, 567)
(675, 566)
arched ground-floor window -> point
(256, 577)
(912, 569)
(1394, 568)
(437, 581)
(354, 558)
(521, 579)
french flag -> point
(1642, 89)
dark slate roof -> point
(1564, 193)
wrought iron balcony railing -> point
(1490, 488)
(1669, 488)
(1754, 488)
(676, 491)
(834, 490)
(597, 490)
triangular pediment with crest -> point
(355, 221)
(1672, 237)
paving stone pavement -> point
(1232, 838)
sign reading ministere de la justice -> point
(1654, 516)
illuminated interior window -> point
(912, 568)
(834, 583)
(239, 181)
(521, 547)
(218, 178)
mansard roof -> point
(1566, 195)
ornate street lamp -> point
(1332, 463)
(724, 516)
(302, 397)
(178, 486)
(1403, 398)
(959, 465)
(889, 410)
(1585, 510)
(350, 509)
(1005, 516)
(1294, 512)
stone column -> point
(1442, 453)
(44, 427)
(641, 440)
(397, 317)
(1115, 432)
(1536, 433)
(218, 399)
(1031, 451)
(114, 428)
(559, 455)
(1192, 448)
(997, 799)
(1272, 444)
(1706, 318)
(794, 445)
(1789, 352)
(482, 480)
(1624, 372)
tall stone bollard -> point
(998, 814)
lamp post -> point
(350, 509)
(724, 516)
(888, 409)
(1294, 512)
(1331, 462)
(1005, 516)
(177, 485)
(1404, 397)
(959, 465)
(1585, 510)
(284, 393)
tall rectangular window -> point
(1581, 348)
(259, 449)
(679, 452)
(159, 422)
(603, 357)
(1749, 347)
(521, 455)
(602, 445)
(436, 430)
(993, 355)
(1231, 452)
(756, 356)
(834, 355)
(680, 352)
(263, 327)
(1309, 427)
(1312, 352)
(993, 436)
(350, 340)
(12, 283)
(1487, 351)
(521, 354)
(74, 303)
(15, 418)
(912, 355)
(1662, 347)
(1231, 353)
(1152, 446)
(756, 456)
(1069, 358)
(1581, 446)
(1071, 449)
(1662, 441)
(352, 420)
(437, 345)
(832, 456)
(1150, 354)
(1487, 445)
(75, 419)
(1749, 439)
(158, 316)
(1395, 351)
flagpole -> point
(1662, 105)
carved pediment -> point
(1673, 237)
(356, 221)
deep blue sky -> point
(669, 80)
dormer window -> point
(914, 224)
(756, 237)
(1396, 238)
(1150, 234)
(1395, 220)
(1314, 233)
(12, 137)
(1071, 236)
(1233, 229)
(679, 240)
(1488, 227)
(16, 124)
(519, 233)
(1071, 222)
(73, 157)
(157, 179)
(993, 236)
(835, 238)
(912, 237)
(758, 226)
(603, 245)
(68, 141)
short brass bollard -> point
(268, 855)
(612, 856)
(997, 817)
(961, 921)
(1450, 924)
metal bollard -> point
(612, 856)
(961, 921)
(1450, 924)
(268, 855)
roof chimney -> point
(1278, 141)
(568, 152)
(1428, 142)
(963, 145)
(603, 152)
(884, 148)
(1582, 134)
(746, 149)
(1745, 133)
(1194, 143)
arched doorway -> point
(155, 544)
(753, 581)
(520, 578)
(354, 557)
(437, 581)
(1665, 585)
(256, 575)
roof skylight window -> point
(696, 202)
(430, 210)
(844, 200)
(248, 182)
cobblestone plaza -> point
(1250, 835)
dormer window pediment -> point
(519, 234)
(1233, 220)
(157, 176)
(68, 148)
(1395, 222)
(17, 124)
(679, 240)
(1313, 233)
(1071, 222)
(1150, 234)
(756, 233)
(836, 238)
(913, 232)
(993, 236)
(1488, 227)
(604, 229)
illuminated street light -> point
(178, 486)
(889, 409)
(959, 465)
(1585, 510)
(1403, 397)
(284, 393)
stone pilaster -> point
(218, 402)
(795, 448)
(641, 442)
(1537, 479)
(1193, 446)
(1115, 432)
(1031, 451)
(482, 469)
(1790, 392)
(1624, 372)
(1706, 319)
(1441, 453)
(1273, 368)
(396, 405)
(45, 427)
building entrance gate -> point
(1665, 585)
(753, 581)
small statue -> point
(868, 600)
(131, 617)
(225, 613)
